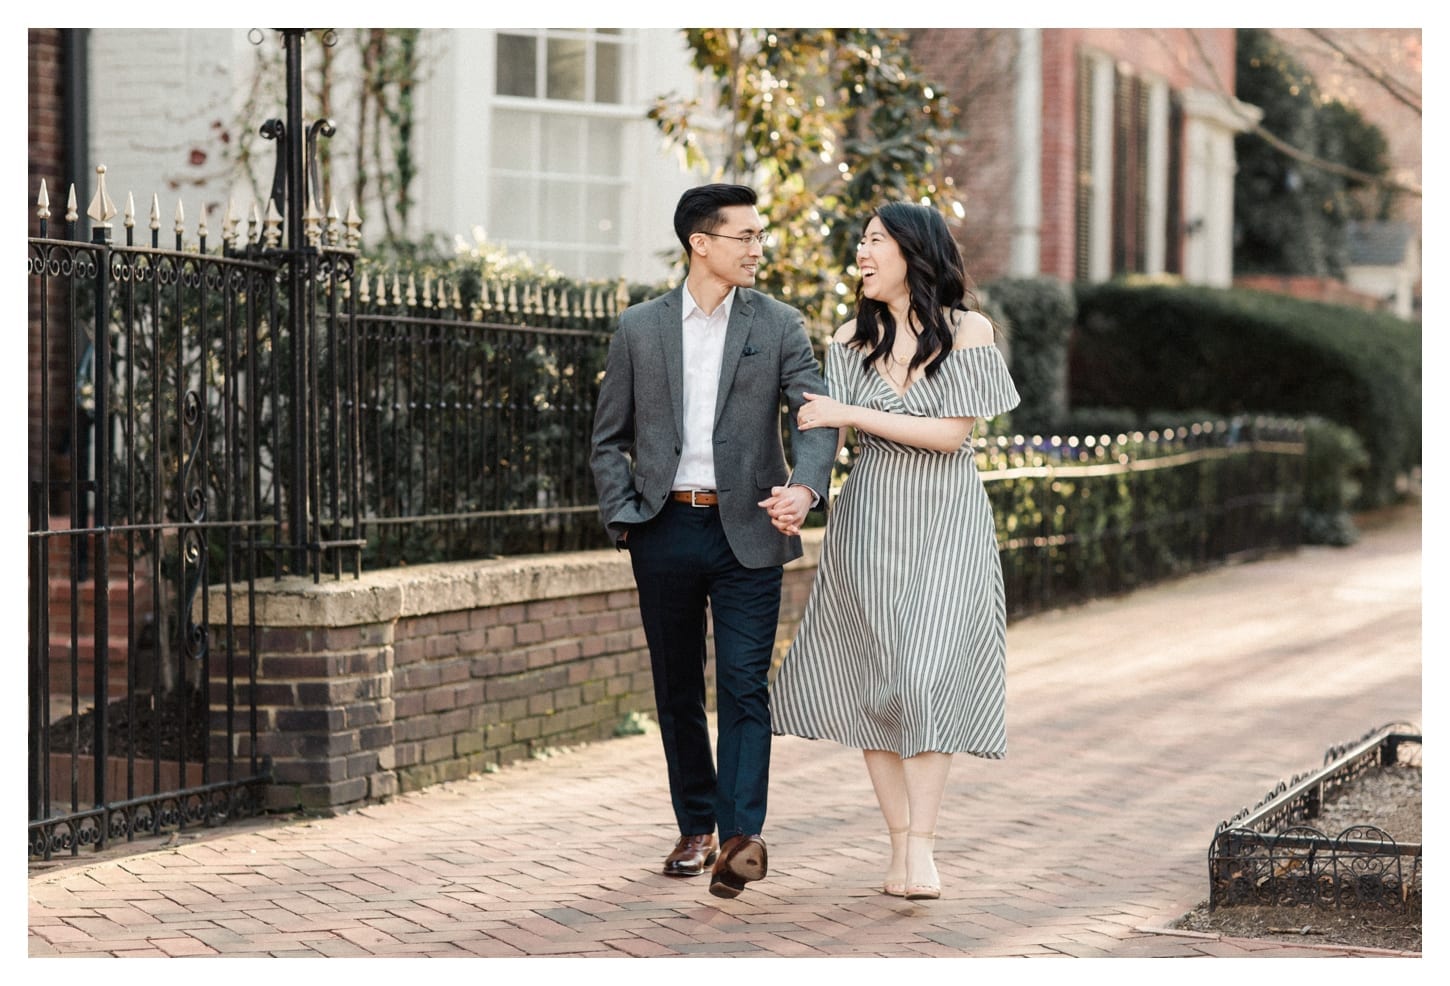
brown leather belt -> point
(696, 498)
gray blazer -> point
(639, 420)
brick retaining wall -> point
(413, 676)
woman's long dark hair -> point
(936, 278)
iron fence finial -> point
(42, 202)
(71, 212)
(272, 225)
(353, 222)
(229, 226)
(102, 208)
(312, 224)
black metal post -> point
(297, 309)
(101, 516)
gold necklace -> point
(909, 356)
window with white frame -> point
(1126, 138)
(557, 159)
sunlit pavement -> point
(1135, 725)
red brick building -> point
(49, 115)
(1093, 152)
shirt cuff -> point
(815, 497)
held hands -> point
(788, 506)
(820, 411)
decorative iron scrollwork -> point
(194, 506)
(1255, 859)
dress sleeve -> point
(839, 369)
(977, 384)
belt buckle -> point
(692, 497)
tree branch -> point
(1391, 85)
(1283, 146)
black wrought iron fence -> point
(197, 453)
(1085, 516)
(1277, 853)
(168, 487)
(475, 421)
(249, 412)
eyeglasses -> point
(763, 239)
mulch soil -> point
(1387, 797)
(146, 727)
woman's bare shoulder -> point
(845, 333)
(971, 329)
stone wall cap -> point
(389, 594)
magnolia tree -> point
(826, 124)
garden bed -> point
(1344, 870)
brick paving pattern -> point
(1135, 725)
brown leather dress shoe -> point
(742, 859)
(692, 854)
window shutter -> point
(1083, 148)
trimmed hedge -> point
(1037, 315)
(1173, 348)
(1334, 470)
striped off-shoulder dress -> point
(903, 643)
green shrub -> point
(1088, 515)
(1178, 348)
(1125, 420)
(1037, 316)
(1334, 464)
(1096, 421)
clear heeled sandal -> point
(895, 884)
(921, 889)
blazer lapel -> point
(672, 344)
(742, 315)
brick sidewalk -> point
(1135, 725)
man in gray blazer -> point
(693, 482)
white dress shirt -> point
(704, 350)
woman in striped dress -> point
(901, 651)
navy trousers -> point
(684, 568)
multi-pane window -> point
(1086, 186)
(557, 164)
(1173, 217)
(1130, 174)
(1128, 211)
